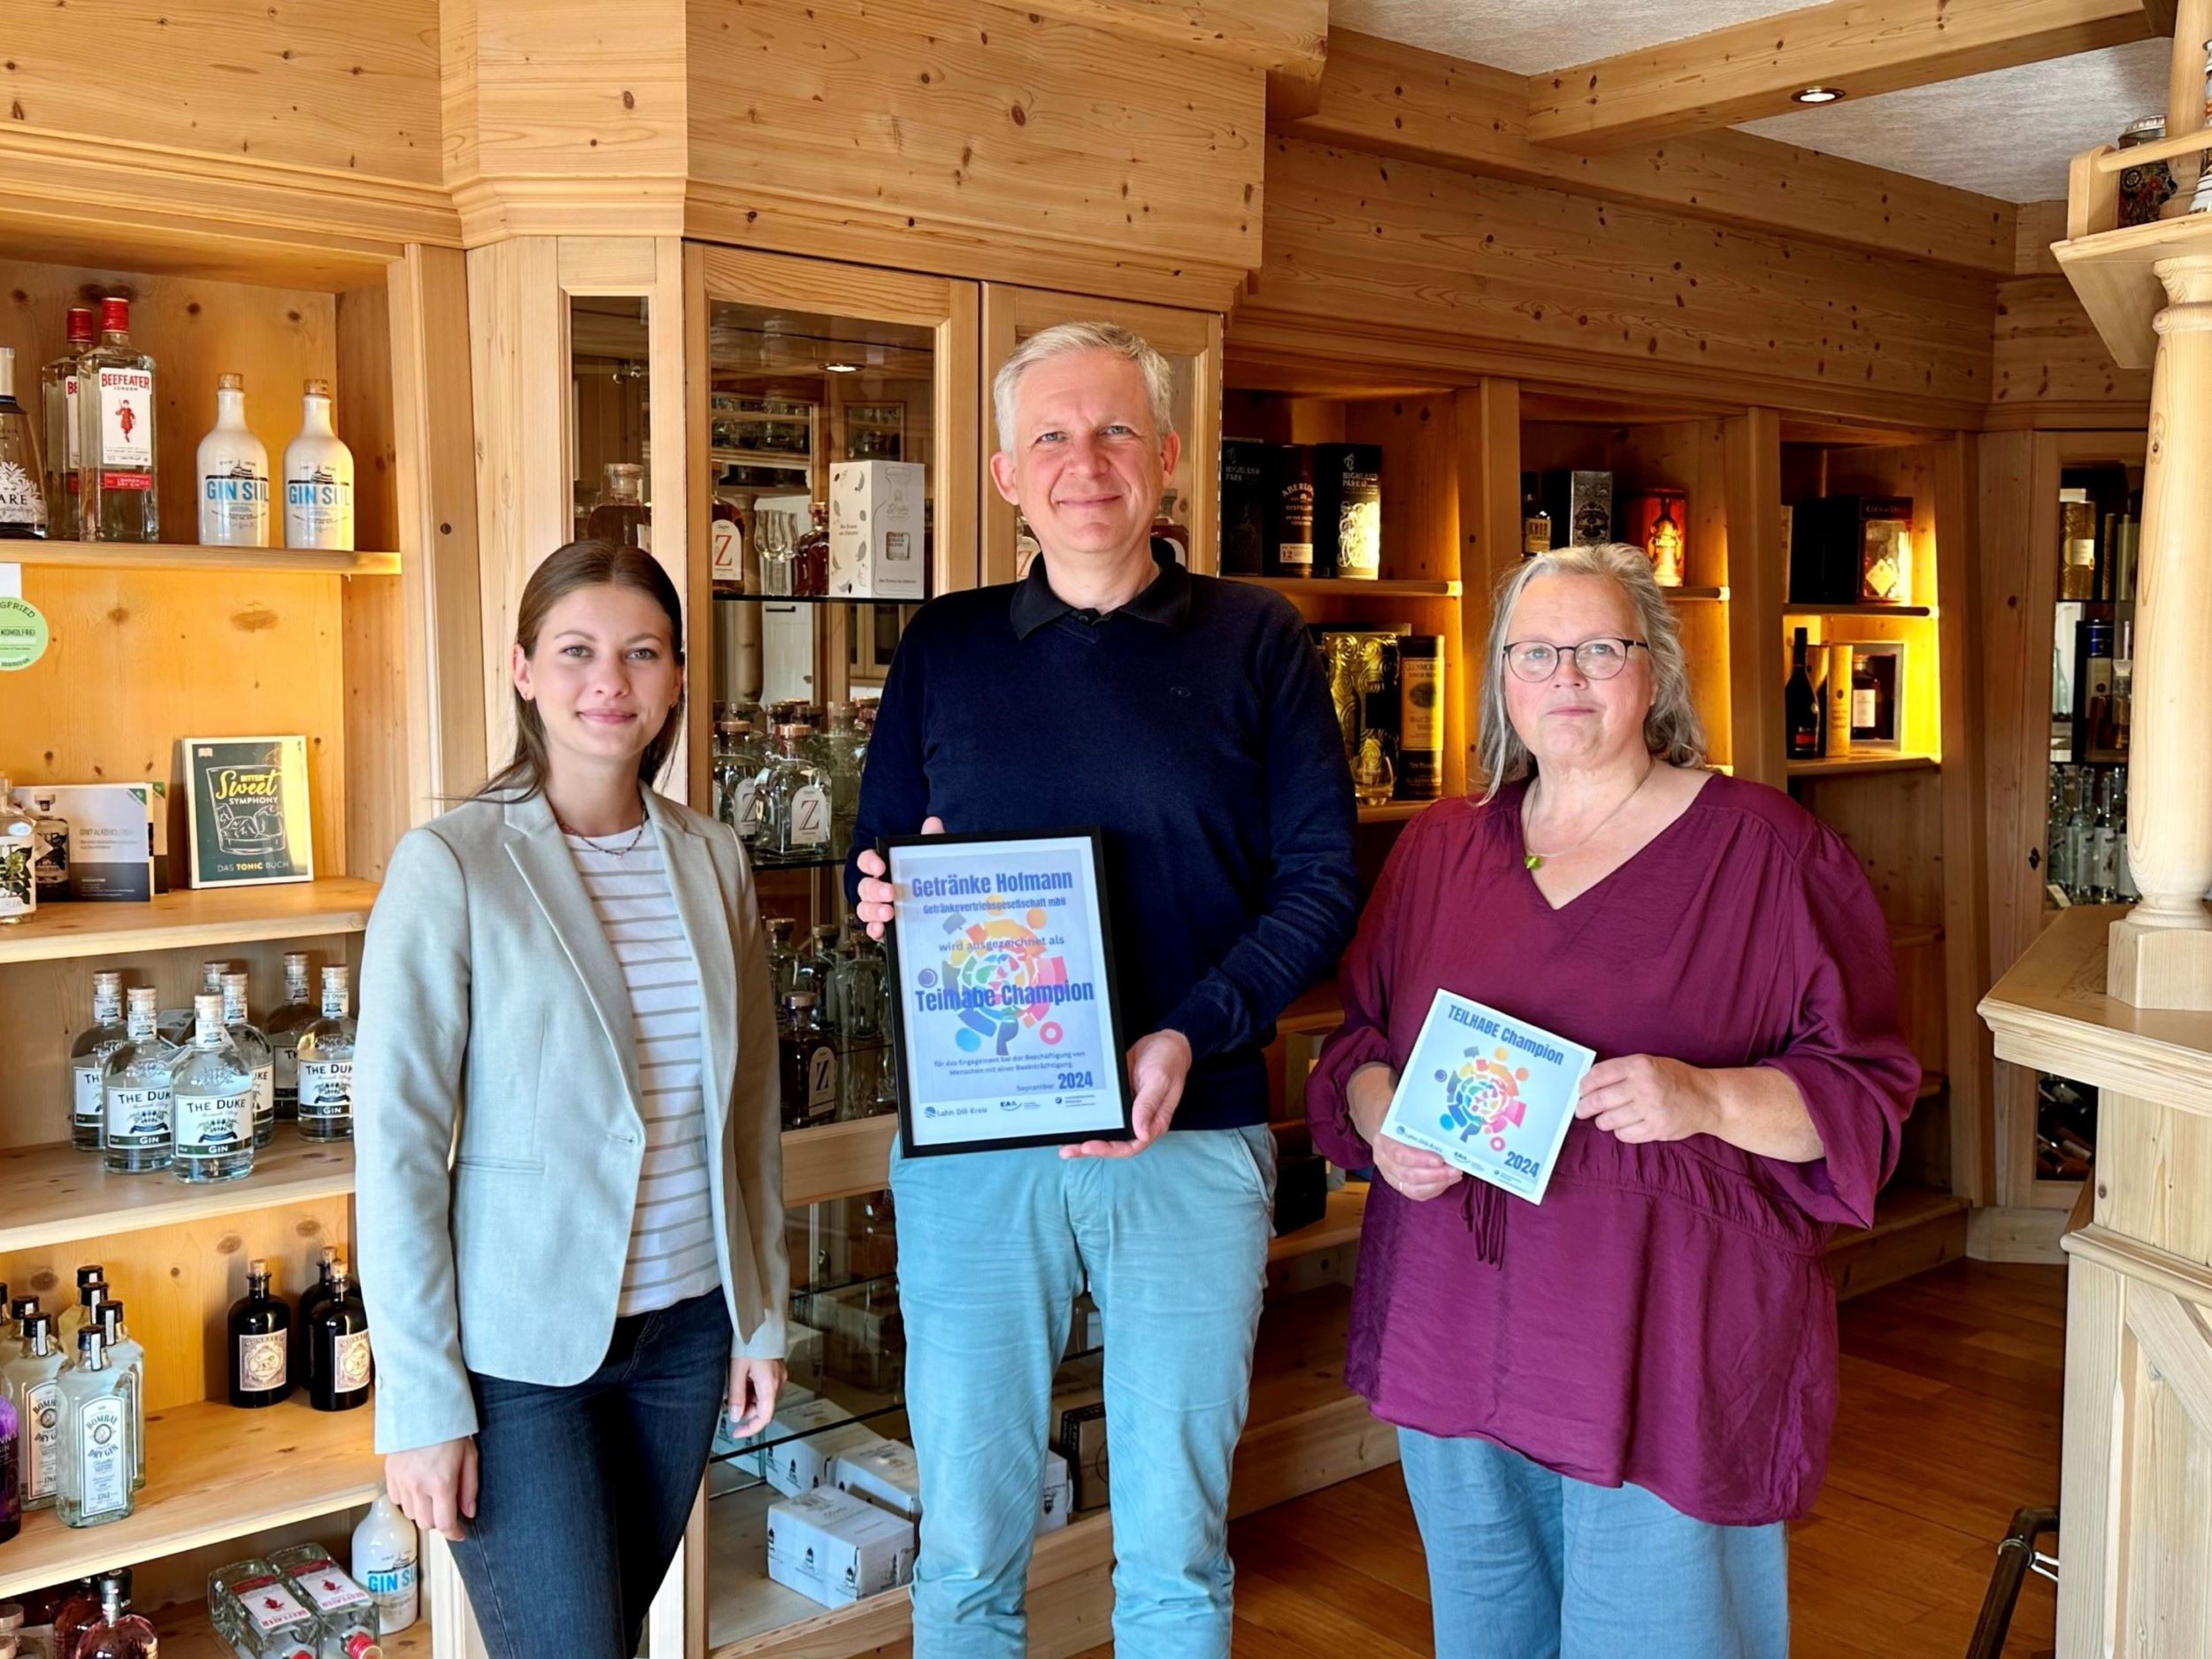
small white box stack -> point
(877, 548)
(831, 1547)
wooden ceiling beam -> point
(1394, 100)
(1289, 38)
(1864, 47)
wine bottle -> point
(1800, 707)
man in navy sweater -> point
(1186, 717)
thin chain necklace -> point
(623, 851)
(1534, 860)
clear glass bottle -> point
(118, 1634)
(22, 475)
(283, 1028)
(347, 1612)
(810, 1064)
(49, 832)
(92, 1289)
(857, 997)
(233, 473)
(840, 750)
(58, 383)
(783, 962)
(212, 1096)
(794, 808)
(622, 516)
(810, 558)
(778, 550)
(11, 1481)
(19, 858)
(340, 1366)
(385, 1551)
(2059, 861)
(32, 1380)
(326, 1064)
(128, 1357)
(2104, 842)
(88, 1059)
(176, 1023)
(260, 1332)
(135, 1097)
(253, 1049)
(253, 1608)
(119, 457)
(318, 478)
(725, 546)
(95, 1460)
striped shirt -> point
(672, 1233)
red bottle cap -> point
(80, 328)
(115, 315)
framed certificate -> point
(1008, 1031)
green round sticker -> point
(22, 633)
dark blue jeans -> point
(583, 1491)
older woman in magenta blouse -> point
(1608, 1402)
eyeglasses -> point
(1596, 659)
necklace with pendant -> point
(1534, 860)
(623, 851)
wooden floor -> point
(1950, 1422)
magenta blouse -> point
(1664, 1318)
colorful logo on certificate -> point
(1483, 1098)
(1006, 974)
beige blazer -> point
(498, 1123)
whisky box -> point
(1290, 521)
(1052, 1502)
(1248, 472)
(833, 1549)
(876, 549)
(1080, 1437)
(1347, 511)
(1301, 1191)
(1581, 507)
(1829, 541)
(1420, 718)
(116, 833)
(884, 1474)
(805, 1439)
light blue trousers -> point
(1524, 1563)
(993, 1249)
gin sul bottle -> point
(233, 473)
(318, 480)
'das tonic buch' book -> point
(1489, 1095)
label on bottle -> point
(21, 501)
(87, 1102)
(326, 1088)
(264, 1094)
(1535, 535)
(726, 551)
(748, 804)
(263, 1361)
(41, 1420)
(389, 1585)
(104, 1460)
(1862, 709)
(73, 442)
(810, 817)
(319, 511)
(326, 1586)
(349, 1366)
(19, 860)
(270, 1603)
(126, 428)
(139, 1118)
(235, 505)
(821, 1084)
(284, 1059)
(213, 1125)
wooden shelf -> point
(1860, 765)
(2114, 277)
(837, 1160)
(212, 1473)
(1393, 811)
(1339, 1226)
(1686, 595)
(58, 1196)
(186, 1631)
(1338, 587)
(192, 919)
(1856, 611)
(120, 555)
(1914, 1228)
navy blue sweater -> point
(1193, 727)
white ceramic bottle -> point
(384, 1557)
(317, 481)
(233, 473)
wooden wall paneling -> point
(1396, 100)
(1419, 438)
(382, 720)
(177, 1283)
(1757, 567)
(1275, 35)
(673, 461)
(2049, 367)
(2166, 1153)
(1488, 432)
(1893, 821)
(700, 621)
(1407, 264)
(440, 591)
(2101, 1372)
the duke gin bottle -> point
(283, 1028)
(88, 1058)
(213, 1096)
(326, 1064)
(253, 1049)
(137, 1100)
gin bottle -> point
(137, 1100)
(22, 479)
(340, 1366)
(233, 473)
(58, 384)
(253, 1049)
(11, 1469)
(176, 1023)
(318, 480)
(386, 1550)
(326, 1064)
(283, 1028)
(95, 1438)
(795, 812)
(782, 961)
(253, 1608)
(840, 750)
(115, 435)
(19, 858)
(89, 1058)
(311, 1299)
(260, 1341)
(622, 516)
(32, 1381)
(857, 997)
(346, 1610)
(92, 1289)
(129, 1359)
(118, 1634)
(810, 1064)
(212, 1096)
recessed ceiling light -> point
(842, 368)
(1817, 95)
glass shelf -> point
(808, 599)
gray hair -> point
(1060, 340)
(1671, 729)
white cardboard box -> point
(818, 1433)
(117, 834)
(884, 1475)
(1058, 1497)
(747, 1458)
(834, 1549)
(876, 548)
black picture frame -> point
(1114, 1040)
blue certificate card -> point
(1489, 1095)
(1007, 1030)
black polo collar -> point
(1166, 601)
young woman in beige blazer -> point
(569, 1174)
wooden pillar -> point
(2161, 951)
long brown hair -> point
(580, 564)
